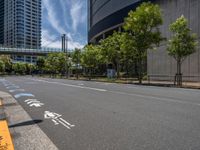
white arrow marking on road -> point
(11, 91)
(36, 104)
(33, 102)
(24, 95)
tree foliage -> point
(182, 43)
(7, 62)
(143, 27)
(2, 66)
(76, 56)
(19, 68)
(40, 63)
(111, 50)
(55, 62)
(90, 57)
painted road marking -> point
(12, 87)
(8, 84)
(71, 85)
(24, 95)
(5, 138)
(80, 84)
(34, 102)
(56, 118)
(21, 90)
(124, 93)
(155, 98)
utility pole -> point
(64, 49)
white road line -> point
(80, 84)
(156, 98)
(71, 125)
(124, 93)
(64, 124)
(71, 85)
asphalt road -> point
(82, 115)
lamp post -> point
(64, 49)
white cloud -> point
(64, 4)
(54, 41)
(78, 15)
(52, 18)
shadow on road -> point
(26, 123)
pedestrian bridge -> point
(23, 51)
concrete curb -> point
(24, 137)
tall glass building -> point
(1, 22)
(20, 21)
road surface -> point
(83, 115)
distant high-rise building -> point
(1, 22)
(20, 21)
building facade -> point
(159, 63)
(21, 23)
(1, 22)
(105, 16)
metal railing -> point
(172, 78)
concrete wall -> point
(158, 62)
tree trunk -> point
(90, 73)
(77, 71)
(118, 70)
(140, 69)
(179, 74)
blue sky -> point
(64, 16)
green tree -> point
(55, 63)
(182, 44)
(2, 66)
(76, 54)
(111, 50)
(128, 54)
(90, 58)
(40, 63)
(30, 68)
(7, 61)
(19, 68)
(143, 27)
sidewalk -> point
(25, 133)
(193, 85)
